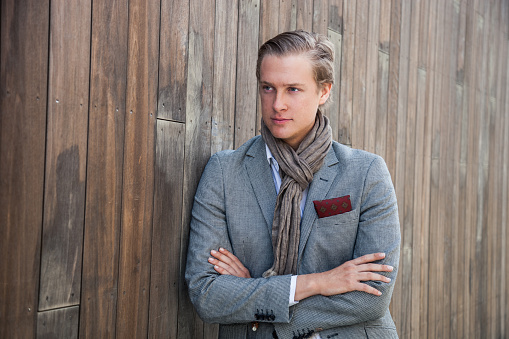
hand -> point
(344, 278)
(226, 263)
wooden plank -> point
(426, 303)
(385, 26)
(456, 235)
(305, 15)
(393, 85)
(419, 244)
(320, 17)
(138, 180)
(165, 278)
(23, 98)
(173, 60)
(336, 16)
(246, 83)
(197, 143)
(66, 154)
(407, 167)
(372, 76)
(331, 110)
(287, 15)
(505, 204)
(447, 132)
(359, 75)
(104, 170)
(382, 97)
(59, 323)
(225, 61)
(347, 63)
(424, 31)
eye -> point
(293, 89)
(267, 88)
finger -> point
(221, 270)
(369, 276)
(228, 258)
(368, 258)
(368, 289)
(222, 267)
(236, 263)
(375, 268)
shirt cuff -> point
(293, 286)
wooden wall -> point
(111, 108)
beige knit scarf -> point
(298, 167)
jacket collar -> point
(260, 175)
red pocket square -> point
(329, 207)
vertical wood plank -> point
(347, 64)
(104, 170)
(66, 154)
(331, 110)
(225, 61)
(59, 323)
(197, 143)
(287, 15)
(385, 26)
(320, 17)
(359, 75)
(393, 84)
(372, 76)
(23, 98)
(305, 15)
(336, 16)
(382, 96)
(165, 278)
(173, 60)
(246, 83)
(138, 180)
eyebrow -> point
(284, 85)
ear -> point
(324, 93)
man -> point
(294, 235)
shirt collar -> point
(270, 158)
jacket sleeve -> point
(226, 299)
(378, 231)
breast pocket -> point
(348, 218)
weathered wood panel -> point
(23, 99)
(58, 323)
(246, 86)
(173, 60)
(165, 277)
(108, 79)
(197, 143)
(66, 154)
(138, 170)
(225, 62)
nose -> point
(279, 103)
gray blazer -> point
(234, 207)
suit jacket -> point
(234, 207)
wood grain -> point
(58, 323)
(98, 312)
(165, 280)
(66, 154)
(23, 99)
(138, 173)
(173, 57)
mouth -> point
(278, 121)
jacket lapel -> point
(260, 176)
(318, 190)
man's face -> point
(290, 96)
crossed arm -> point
(347, 277)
